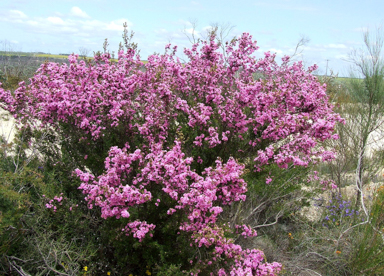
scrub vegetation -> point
(222, 164)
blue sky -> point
(334, 27)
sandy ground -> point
(7, 126)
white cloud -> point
(55, 20)
(336, 46)
(76, 11)
(60, 24)
(278, 52)
(64, 32)
(117, 25)
(192, 31)
(15, 14)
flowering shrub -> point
(172, 140)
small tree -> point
(84, 52)
(366, 92)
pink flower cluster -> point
(325, 183)
(278, 112)
(52, 203)
(247, 231)
(139, 229)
